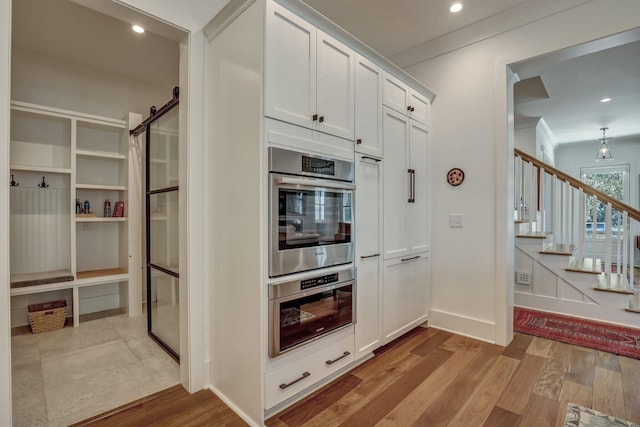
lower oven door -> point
(298, 319)
(310, 224)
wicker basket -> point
(48, 316)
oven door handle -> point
(315, 183)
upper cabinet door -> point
(290, 67)
(368, 107)
(418, 210)
(396, 94)
(335, 86)
(420, 107)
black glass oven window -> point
(308, 317)
(313, 218)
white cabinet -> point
(368, 217)
(406, 294)
(406, 100)
(368, 104)
(299, 374)
(309, 77)
(406, 186)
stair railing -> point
(556, 202)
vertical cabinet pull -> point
(408, 107)
(304, 375)
(331, 362)
(314, 117)
(412, 185)
(321, 119)
(358, 141)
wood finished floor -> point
(435, 378)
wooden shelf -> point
(43, 169)
(101, 219)
(100, 273)
(101, 187)
(101, 154)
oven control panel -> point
(318, 166)
(318, 281)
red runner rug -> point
(585, 333)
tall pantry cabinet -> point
(281, 75)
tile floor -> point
(66, 376)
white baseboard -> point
(463, 325)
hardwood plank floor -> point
(432, 378)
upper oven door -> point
(310, 224)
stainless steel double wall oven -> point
(310, 214)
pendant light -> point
(604, 153)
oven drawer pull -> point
(304, 375)
(322, 183)
(369, 256)
(409, 259)
(331, 362)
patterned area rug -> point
(585, 333)
(579, 416)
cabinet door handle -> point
(410, 258)
(358, 141)
(331, 362)
(413, 109)
(408, 107)
(304, 375)
(314, 117)
(369, 256)
(321, 119)
(370, 158)
(413, 185)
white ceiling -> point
(396, 29)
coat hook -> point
(43, 184)
(13, 182)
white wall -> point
(470, 116)
(525, 139)
(45, 80)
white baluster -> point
(554, 203)
(542, 196)
(594, 232)
(608, 242)
(581, 225)
(533, 198)
(621, 261)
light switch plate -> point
(455, 220)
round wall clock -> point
(455, 176)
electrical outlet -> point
(523, 278)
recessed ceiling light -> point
(138, 29)
(456, 7)
(605, 100)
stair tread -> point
(535, 235)
(613, 283)
(560, 249)
(584, 265)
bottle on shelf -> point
(107, 208)
(78, 207)
(87, 207)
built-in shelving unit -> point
(59, 157)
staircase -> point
(567, 263)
